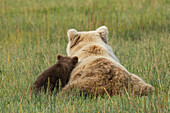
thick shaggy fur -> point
(98, 69)
(60, 71)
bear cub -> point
(51, 76)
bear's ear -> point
(72, 33)
(60, 57)
(103, 32)
(75, 59)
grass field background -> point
(33, 32)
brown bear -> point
(99, 71)
(59, 71)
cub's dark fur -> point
(60, 71)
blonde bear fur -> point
(98, 70)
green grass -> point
(33, 32)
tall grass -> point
(33, 32)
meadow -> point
(34, 32)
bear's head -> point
(77, 40)
(67, 61)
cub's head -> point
(67, 61)
(77, 40)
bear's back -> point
(92, 63)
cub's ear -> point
(75, 59)
(60, 57)
(103, 31)
(71, 33)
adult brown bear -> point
(98, 70)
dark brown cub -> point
(59, 71)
